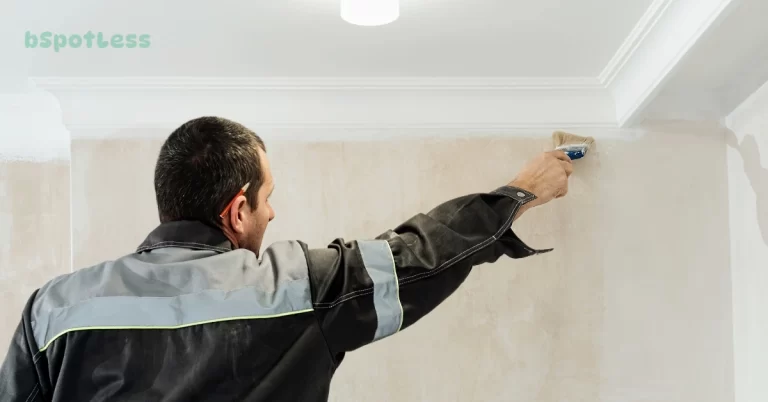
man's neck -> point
(231, 236)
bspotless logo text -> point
(89, 40)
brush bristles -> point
(562, 138)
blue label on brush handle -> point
(575, 154)
(573, 151)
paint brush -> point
(575, 146)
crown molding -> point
(58, 84)
(638, 34)
(654, 50)
(414, 103)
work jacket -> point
(188, 318)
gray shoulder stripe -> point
(136, 293)
(380, 265)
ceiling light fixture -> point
(370, 12)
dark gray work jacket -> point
(188, 318)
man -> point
(195, 315)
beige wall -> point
(634, 304)
(113, 198)
(34, 234)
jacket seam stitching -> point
(369, 290)
(441, 268)
(511, 192)
(457, 258)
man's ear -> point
(237, 214)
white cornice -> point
(317, 83)
(307, 102)
(638, 34)
(654, 49)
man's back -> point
(187, 317)
(183, 321)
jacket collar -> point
(186, 234)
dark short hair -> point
(201, 167)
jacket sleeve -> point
(18, 375)
(366, 290)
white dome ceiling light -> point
(370, 12)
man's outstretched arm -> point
(366, 290)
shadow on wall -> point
(757, 175)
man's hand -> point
(546, 176)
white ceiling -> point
(263, 38)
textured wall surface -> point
(34, 234)
(634, 304)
